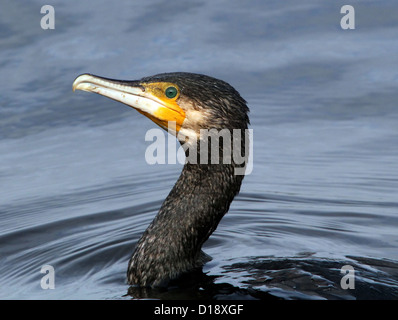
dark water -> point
(76, 192)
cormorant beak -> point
(140, 96)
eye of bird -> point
(171, 92)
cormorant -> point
(187, 105)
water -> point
(76, 192)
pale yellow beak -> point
(137, 95)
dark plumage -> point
(172, 243)
(201, 196)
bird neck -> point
(191, 212)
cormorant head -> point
(182, 103)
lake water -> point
(76, 192)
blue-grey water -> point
(76, 192)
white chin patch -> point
(187, 136)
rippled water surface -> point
(76, 192)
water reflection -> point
(267, 278)
(198, 286)
(308, 277)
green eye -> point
(171, 92)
